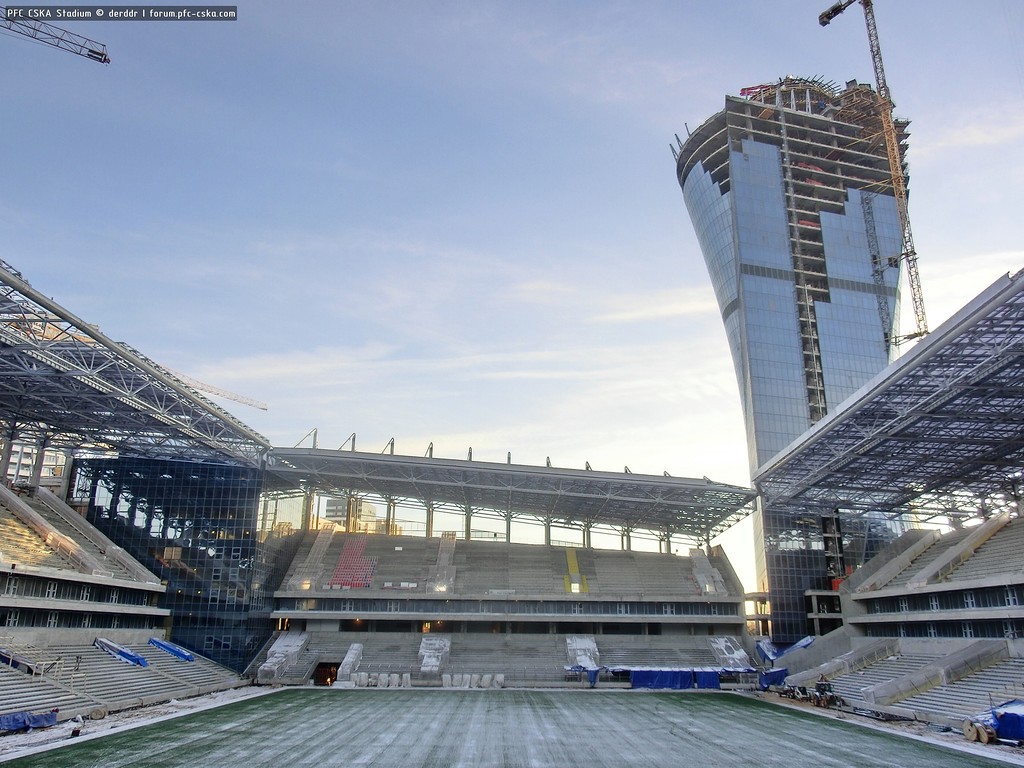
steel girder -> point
(66, 384)
(940, 433)
(700, 509)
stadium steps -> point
(481, 567)
(850, 686)
(523, 658)
(382, 651)
(926, 558)
(992, 557)
(668, 651)
(203, 674)
(302, 670)
(588, 570)
(616, 572)
(108, 553)
(972, 694)
(75, 533)
(665, 574)
(401, 559)
(118, 685)
(19, 543)
(534, 570)
(21, 692)
(307, 571)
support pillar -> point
(307, 510)
(508, 528)
(350, 514)
(389, 516)
(547, 531)
(19, 460)
(37, 463)
(469, 522)
(430, 519)
(587, 527)
(264, 518)
(65, 475)
(9, 436)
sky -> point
(459, 223)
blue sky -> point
(459, 223)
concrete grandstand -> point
(162, 523)
(63, 585)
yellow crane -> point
(899, 181)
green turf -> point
(561, 729)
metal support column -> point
(37, 462)
(469, 522)
(389, 516)
(265, 517)
(65, 476)
(430, 519)
(10, 435)
(307, 510)
(350, 513)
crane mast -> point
(55, 36)
(899, 181)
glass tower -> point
(790, 194)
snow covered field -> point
(563, 729)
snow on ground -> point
(559, 728)
(19, 744)
(918, 731)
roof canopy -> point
(700, 509)
(65, 383)
(940, 433)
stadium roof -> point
(940, 433)
(62, 380)
(700, 509)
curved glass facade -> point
(790, 198)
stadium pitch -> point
(563, 729)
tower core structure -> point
(790, 193)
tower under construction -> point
(791, 195)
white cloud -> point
(971, 129)
(659, 305)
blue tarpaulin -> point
(767, 650)
(1010, 719)
(706, 679)
(661, 678)
(171, 648)
(772, 677)
(20, 721)
(1007, 720)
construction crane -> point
(899, 181)
(38, 30)
(210, 389)
(55, 36)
